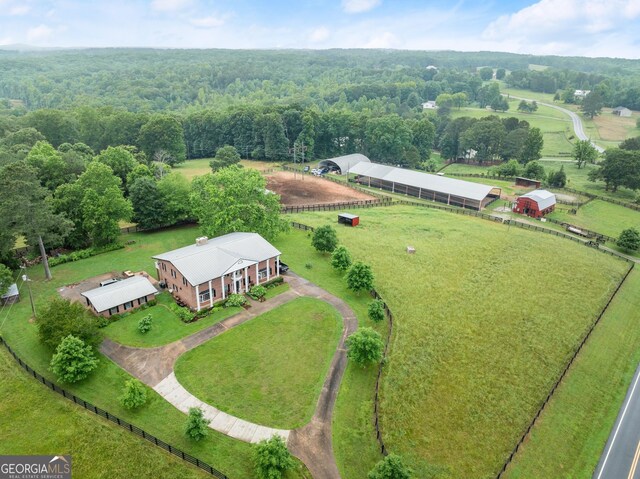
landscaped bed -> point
(269, 370)
(485, 319)
(166, 325)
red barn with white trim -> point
(536, 204)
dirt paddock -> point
(309, 190)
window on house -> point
(164, 266)
(262, 274)
(113, 310)
(173, 273)
(142, 300)
(128, 305)
(184, 281)
(204, 296)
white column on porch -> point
(210, 294)
(246, 279)
(198, 296)
(235, 284)
(223, 288)
(277, 265)
(268, 269)
(257, 272)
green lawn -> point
(555, 126)
(472, 357)
(38, 421)
(104, 386)
(192, 168)
(601, 216)
(269, 370)
(166, 326)
(354, 441)
(276, 290)
(572, 432)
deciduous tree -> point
(391, 467)
(341, 258)
(61, 318)
(6, 279)
(73, 360)
(376, 310)
(163, 132)
(532, 147)
(365, 346)
(359, 277)
(584, 152)
(325, 239)
(225, 156)
(272, 459)
(197, 426)
(629, 240)
(592, 104)
(134, 394)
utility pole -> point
(28, 281)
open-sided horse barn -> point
(424, 185)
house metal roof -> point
(426, 181)
(11, 292)
(348, 216)
(544, 198)
(120, 292)
(219, 256)
(346, 162)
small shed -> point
(536, 203)
(348, 219)
(11, 296)
(527, 182)
(622, 111)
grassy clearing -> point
(354, 441)
(555, 126)
(471, 357)
(57, 426)
(601, 216)
(104, 386)
(573, 430)
(166, 327)
(269, 370)
(276, 290)
(192, 168)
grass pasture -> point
(269, 370)
(572, 432)
(601, 216)
(479, 339)
(166, 327)
(38, 421)
(192, 168)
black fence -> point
(562, 375)
(376, 399)
(587, 233)
(120, 422)
(302, 227)
(337, 206)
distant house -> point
(429, 105)
(536, 204)
(581, 93)
(11, 296)
(121, 296)
(622, 111)
(211, 269)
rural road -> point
(577, 122)
(621, 454)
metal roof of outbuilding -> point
(426, 181)
(346, 162)
(544, 198)
(11, 292)
(120, 292)
(218, 256)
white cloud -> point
(319, 34)
(209, 22)
(41, 32)
(6, 41)
(19, 10)
(170, 5)
(359, 6)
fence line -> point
(593, 196)
(562, 375)
(115, 419)
(589, 233)
(337, 206)
(376, 399)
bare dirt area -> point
(309, 190)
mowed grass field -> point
(104, 386)
(192, 168)
(601, 216)
(269, 370)
(570, 436)
(35, 420)
(485, 319)
(556, 127)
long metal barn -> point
(424, 185)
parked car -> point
(284, 267)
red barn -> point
(536, 203)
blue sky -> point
(562, 27)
